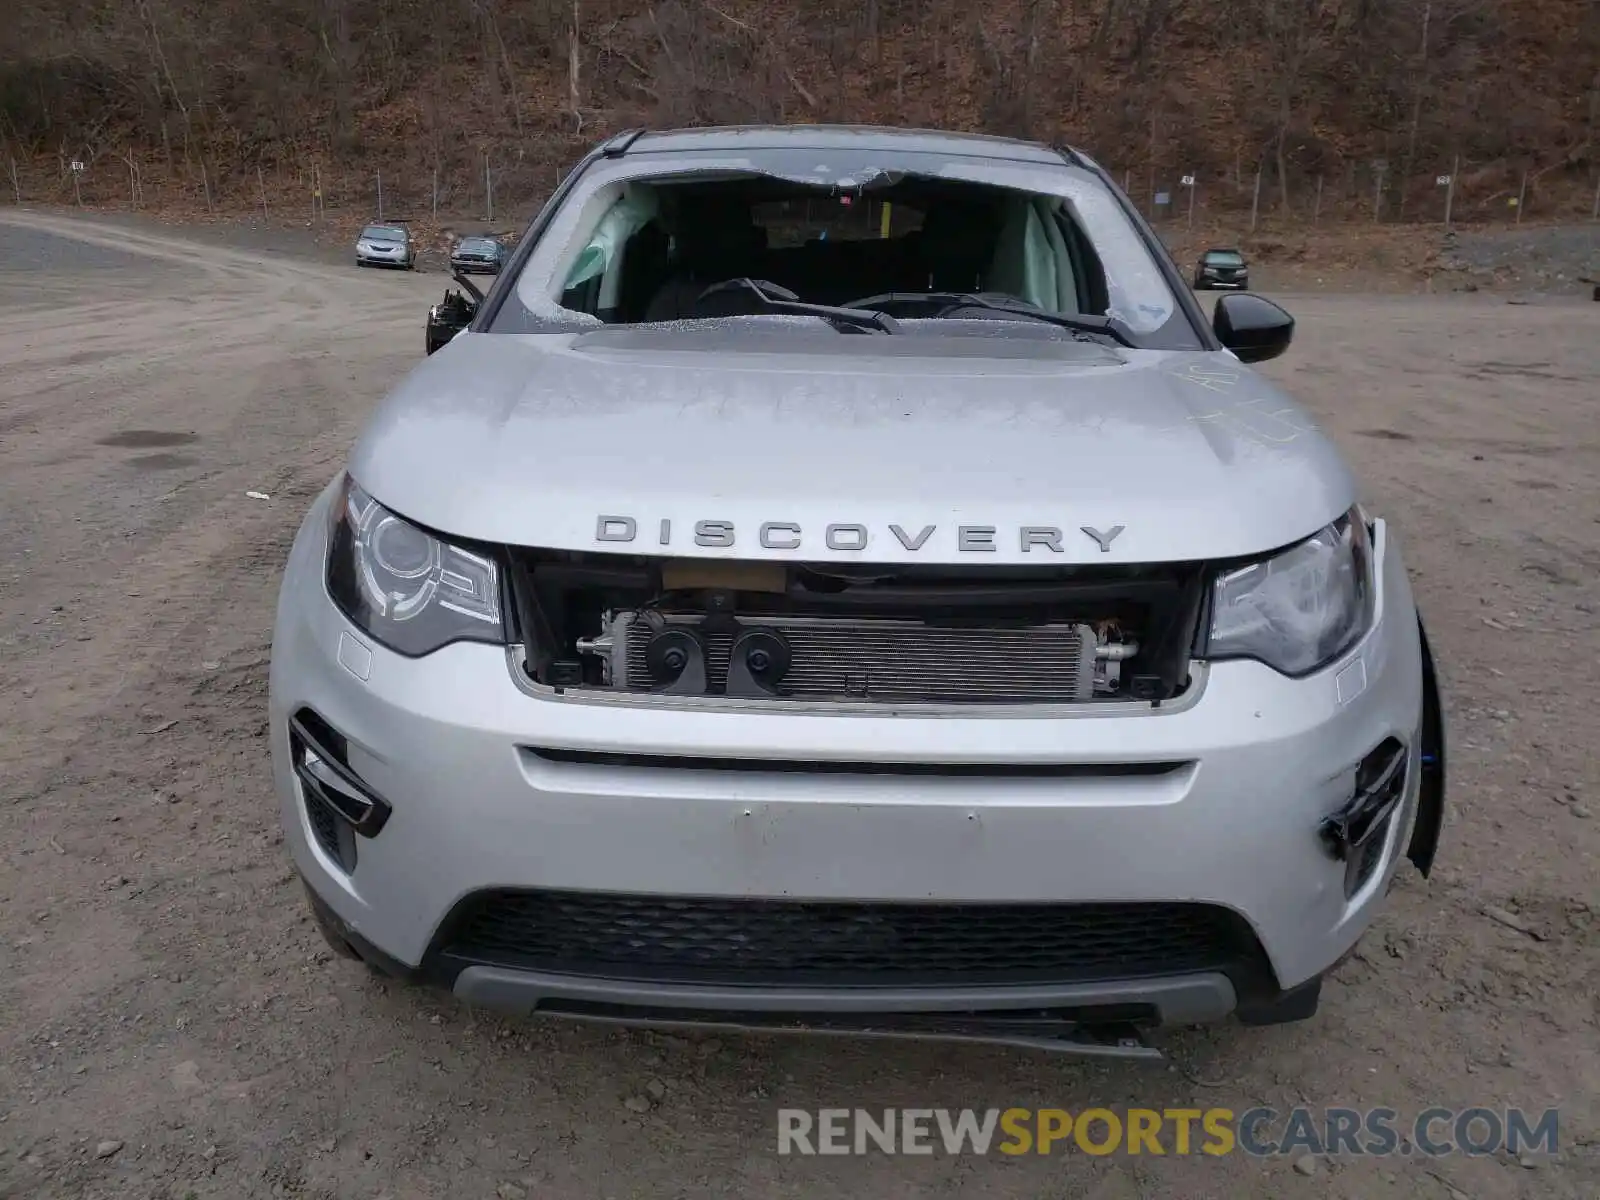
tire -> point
(361, 262)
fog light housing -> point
(1355, 835)
(339, 805)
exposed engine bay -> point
(901, 634)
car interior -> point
(659, 246)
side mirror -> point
(448, 318)
(1254, 328)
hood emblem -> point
(852, 537)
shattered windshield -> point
(642, 239)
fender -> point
(1424, 842)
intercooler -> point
(878, 659)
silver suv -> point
(840, 579)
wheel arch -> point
(1425, 832)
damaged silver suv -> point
(839, 580)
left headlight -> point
(407, 588)
(1303, 607)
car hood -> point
(690, 442)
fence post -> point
(16, 186)
(77, 193)
(1450, 190)
(205, 183)
(1316, 208)
(488, 189)
(1255, 201)
(261, 182)
(1377, 195)
(1522, 196)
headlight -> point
(405, 587)
(1302, 608)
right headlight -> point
(1303, 607)
(410, 590)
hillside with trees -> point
(1342, 106)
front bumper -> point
(391, 258)
(1258, 764)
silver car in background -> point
(386, 245)
(840, 580)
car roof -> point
(838, 137)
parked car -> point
(388, 245)
(486, 254)
(736, 627)
(1222, 269)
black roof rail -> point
(1068, 153)
(617, 144)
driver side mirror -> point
(1254, 328)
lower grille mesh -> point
(907, 661)
(795, 941)
(330, 831)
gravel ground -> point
(171, 1026)
(1556, 258)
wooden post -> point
(488, 188)
(16, 187)
(205, 182)
(261, 182)
(1193, 188)
(436, 190)
(133, 184)
(1522, 196)
(1255, 201)
(1377, 196)
(1316, 208)
(77, 193)
(1450, 191)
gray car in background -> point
(840, 579)
(386, 245)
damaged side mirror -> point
(452, 314)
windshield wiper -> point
(949, 302)
(782, 300)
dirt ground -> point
(171, 1026)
